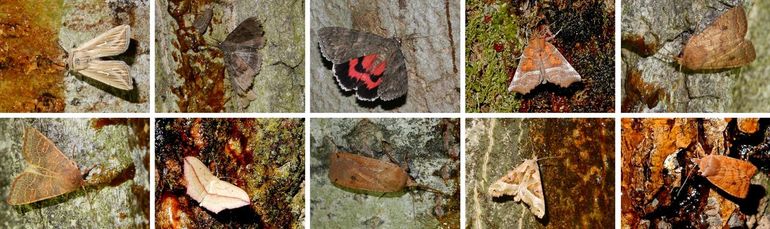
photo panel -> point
(90, 173)
(75, 56)
(230, 56)
(695, 172)
(239, 173)
(385, 56)
(695, 56)
(385, 173)
(540, 56)
(540, 173)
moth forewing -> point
(113, 42)
(113, 73)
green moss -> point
(491, 39)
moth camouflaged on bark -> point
(85, 59)
(721, 45)
(242, 58)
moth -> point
(541, 62)
(241, 49)
(729, 174)
(201, 23)
(49, 173)
(721, 45)
(211, 192)
(85, 59)
(524, 184)
(371, 65)
(368, 174)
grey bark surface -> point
(107, 150)
(83, 21)
(280, 84)
(666, 25)
(430, 43)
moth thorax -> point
(709, 166)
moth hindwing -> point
(85, 58)
(371, 65)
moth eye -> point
(353, 177)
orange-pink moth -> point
(210, 192)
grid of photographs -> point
(384, 114)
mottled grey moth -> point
(242, 58)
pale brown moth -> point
(49, 172)
(524, 184)
(721, 45)
(85, 59)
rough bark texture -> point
(200, 85)
(339, 207)
(654, 32)
(430, 35)
(577, 171)
(119, 157)
(34, 42)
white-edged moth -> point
(85, 58)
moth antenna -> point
(386, 148)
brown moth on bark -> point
(368, 174)
(721, 45)
(729, 174)
(524, 184)
(49, 173)
(242, 58)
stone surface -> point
(118, 155)
(338, 207)
(279, 86)
(653, 33)
(430, 34)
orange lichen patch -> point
(685, 132)
(748, 125)
(645, 145)
(714, 136)
(170, 214)
(29, 57)
(639, 92)
(726, 207)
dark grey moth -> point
(201, 23)
(242, 58)
(371, 65)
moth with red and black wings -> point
(371, 65)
